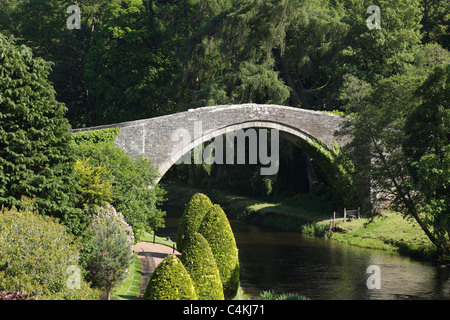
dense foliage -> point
(36, 254)
(133, 189)
(201, 265)
(170, 281)
(193, 214)
(216, 229)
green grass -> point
(129, 289)
(390, 231)
(149, 238)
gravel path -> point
(150, 255)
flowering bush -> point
(112, 252)
(102, 214)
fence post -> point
(345, 214)
(358, 213)
(334, 219)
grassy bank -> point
(389, 231)
(311, 215)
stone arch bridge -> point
(154, 137)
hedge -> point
(199, 261)
(170, 281)
(96, 136)
(192, 217)
(216, 229)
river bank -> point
(390, 231)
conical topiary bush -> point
(192, 217)
(199, 261)
(170, 281)
(216, 229)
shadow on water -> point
(324, 269)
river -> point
(324, 269)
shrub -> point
(192, 217)
(170, 281)
(270, 295)
(112, 252)
(35, 254)
(199, 262)
(217, 231)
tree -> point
(36, 154)
(127, 64)
(136, 194)
(216, 229)
(170, 281)
(427, 145)
(382, 140)
(436, 22)
(112, 252)
(373, 54)
(94, 187)
(193, 214)
(199, 262)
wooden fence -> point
(348, 214)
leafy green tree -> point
(170, 281)
(94, 187)
(112, 252)
(427, 145)
(194, 212)
(436, 22)
(36, 154)
(379, 132)
(377, 53)
(36, 254)
(136, 194)
(216, 229)
(199, 262)
(126, 65)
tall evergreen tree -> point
(36, 158)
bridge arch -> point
(287, 132)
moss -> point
(199, 261)
(170, 281)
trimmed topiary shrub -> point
(170, 281)
(199, 261)
(216, 229)
(193, 215)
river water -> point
(324, 269)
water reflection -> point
(321, 269)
